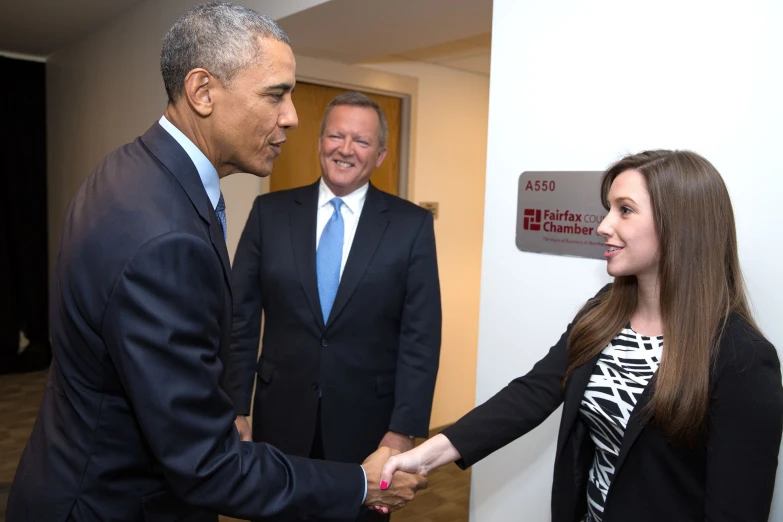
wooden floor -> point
(20, 397)
(446, 499)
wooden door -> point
(298, 163)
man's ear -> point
(198, 86)
(381, 157)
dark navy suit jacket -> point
(134, 423)
(374, 360)
(728, 476)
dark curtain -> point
(23, 226)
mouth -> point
(611, 250)
(276, 145)
(344, 164)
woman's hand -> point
(410, 462)
(432, 454)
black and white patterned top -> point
(623, 370)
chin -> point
(338, 180)
(258, 173)
(261, 171)
(614, 272)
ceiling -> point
(468, 54)
(451, 33)
(40, 27)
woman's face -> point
(629, 229)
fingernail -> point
(384, 484)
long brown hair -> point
(700, 286)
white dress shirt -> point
(351, 211)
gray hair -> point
(220, 37)
(357, 99)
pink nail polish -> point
(384, 484)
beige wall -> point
(449, 167)
(106, 89)
(447, 164)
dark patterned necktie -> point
(220, 210)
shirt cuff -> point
(365, 484)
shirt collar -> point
(206, 171)
(353, 201)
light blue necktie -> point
(220, 210)
(329, 257)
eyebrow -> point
(625, 198)
(279, 87)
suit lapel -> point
(171, 154)
(303, 219)
(219, 244)
(576, 390)
(573, 400)
(636, 422)
(372, 224)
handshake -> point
(393, 478)
(388, 487)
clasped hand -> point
(392, 492)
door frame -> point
(334, 74)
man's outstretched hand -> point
(392, 496)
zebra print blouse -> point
(623, 370)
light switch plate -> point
(432, 206)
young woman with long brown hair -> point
(672, 398)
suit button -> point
(324, 344)
(314, 386)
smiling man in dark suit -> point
(134, 424)
(346, 277)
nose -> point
(346, 147)
(605, 228)
(288, 118)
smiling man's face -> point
(349, 149)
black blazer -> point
(375, 360)
(728, 477)
(133, 425)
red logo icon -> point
(532, 219)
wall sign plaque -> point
(558, 212)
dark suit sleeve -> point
(246, 321)
(420, 334)
(161, 329)
(515, 410)
(745, 425)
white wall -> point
(449, 167)
(575, 85)
(106, 89)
